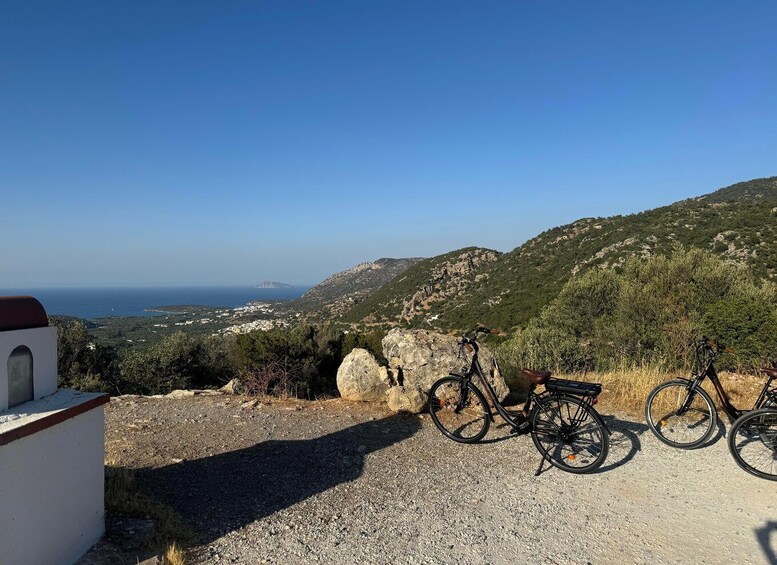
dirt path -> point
(335, 482)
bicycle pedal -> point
(522, 428)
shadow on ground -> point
(767, 538)
(624, 442)
(224, 492)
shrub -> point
(308, 355)
(179, 361)
(301, 361)
(749, 326)
(650, 314)
(371, 341)
(81, 363)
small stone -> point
(180, 394)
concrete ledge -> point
(33, 417)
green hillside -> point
(737, 223)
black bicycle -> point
(681, 413)
(753, 442)
(565, 428)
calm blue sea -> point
(103, 302)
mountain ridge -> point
(341, 291)
(737, 222)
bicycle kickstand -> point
(539, 469)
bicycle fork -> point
(686, 405)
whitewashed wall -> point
(43, 345)
(52, 492)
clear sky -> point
(146, 143)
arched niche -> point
(20, 384)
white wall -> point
(52, 492)
(43, 345)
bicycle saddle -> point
(772, 372)
(537, 377)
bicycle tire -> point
(670, 422)
(758, 431)
(558, 433)
(450, 418)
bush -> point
(308, 358)
(300, 361)
(179, 361)
(83, 364)
(371, 341)
(650, 314)
(749, 326)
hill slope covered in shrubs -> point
(737, 224)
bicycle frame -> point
(475, 369)
(709, 372)
(514, 419)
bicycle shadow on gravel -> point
(765, 536)
(720, 433)
(227, 491)
(624, 442)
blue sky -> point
(146, 143)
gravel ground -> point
(338, 482)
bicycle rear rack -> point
(577, 388)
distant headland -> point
(273, 284)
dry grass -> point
(626, 391)
(174, 555)
(123, 498)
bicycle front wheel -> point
(459, 409)
(753, 443)
(569, 433)
(680, 417)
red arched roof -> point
(21, 313)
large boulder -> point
(361, 378)
(406, 399)
(417, 358)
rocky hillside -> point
(429, 286)
(342, 291)
(471, 286)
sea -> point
(92, 303)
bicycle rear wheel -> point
(569, 433)
(459, 409)
(753, 443)
(680, 420)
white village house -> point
(51, 447)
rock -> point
(406, 399)
(361, 378)
(418, 358)
(232, 387)
(180, 394)
(251, 404)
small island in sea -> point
(273, 284)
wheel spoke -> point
(673, 425)
(458, 412)
(568, 436)
(753, 445)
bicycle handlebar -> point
(712, 346)
(474, 332)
